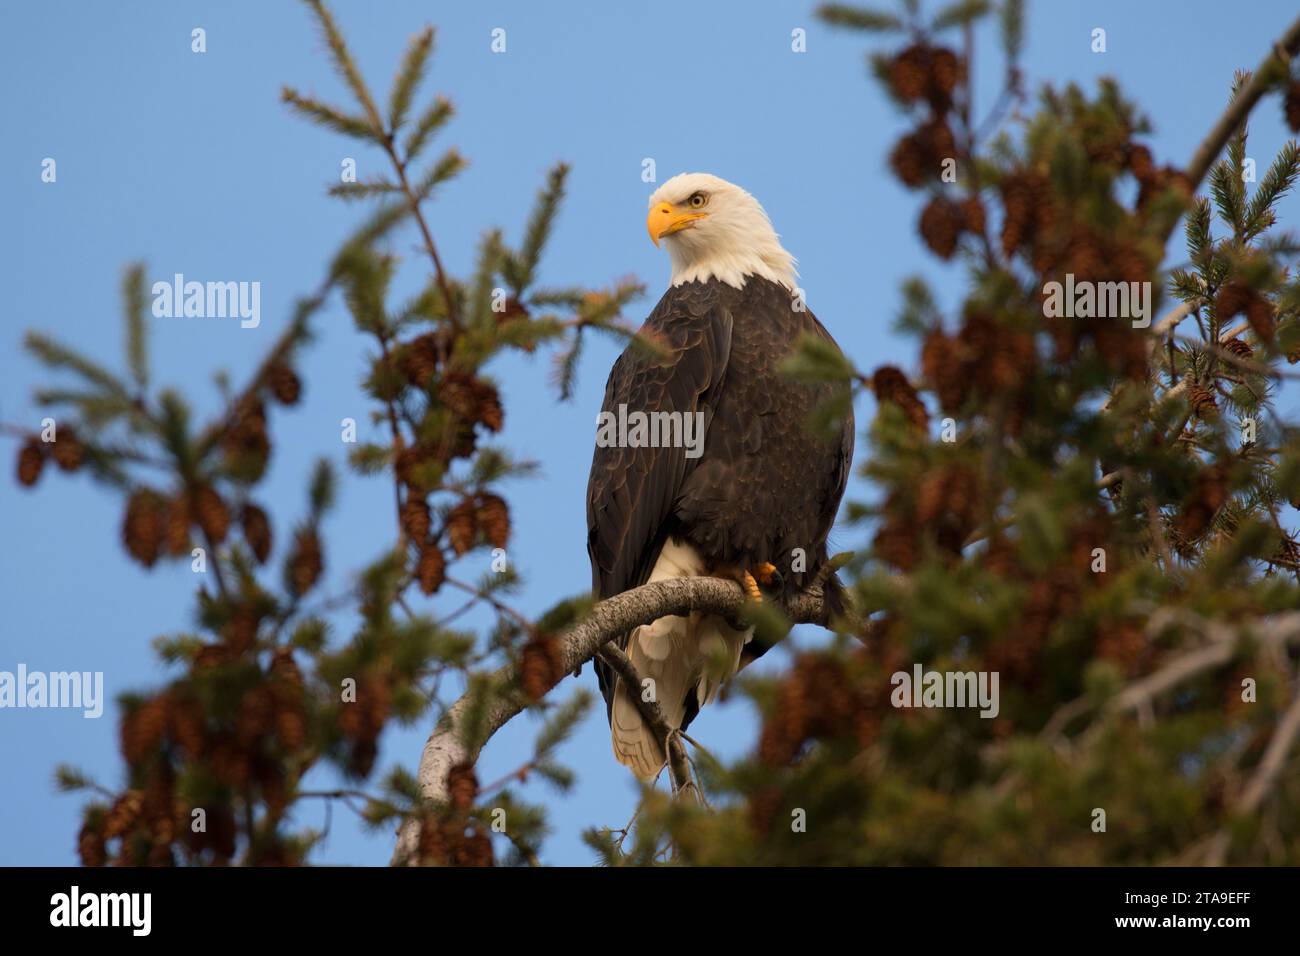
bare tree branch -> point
(1262, 781)
(447, 747)
(1263, 79)
(678, 765)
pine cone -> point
(257, 531)
(91, 846)
(462, 786)
(1202, 401)
(291, 726)
(917, 158)
(67, 452)
(415, 519)
(284, 384)
(142, 729)
(1260, 316)
(306, 563)
(1028, 207)
(1239, 348)
(418, 359)
(540, 666)
(211, 513)
(974, 218)
(473, 400)
(942, 367)
(240, 632)
(1288, 553)
(254, 718)
(142, 527)
(31, 459)
(432, 569)
(186, 726)
(895, 542)
(462, 526)
(1208, 496)
(493, 516)
(176, 517)
(907, 73)
(124, 814)
(247, 445)
(891, 385)
(1291, 106)
(941, 226)
(924, 72)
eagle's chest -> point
(749, 492)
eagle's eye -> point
(698, 200)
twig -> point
(448, 747)
(653, 715)
(1262, 780)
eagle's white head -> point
(715, 230)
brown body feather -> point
(765, 484)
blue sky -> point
(190, 163)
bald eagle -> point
(753, 497)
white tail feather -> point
(676, 653)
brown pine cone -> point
(67, 452)
(943, 368)
(176, 517)
(418, 359)
(186, 726)
(91, 845)
(142, 526)
(462, 786)
(974, 219)
(247, 445)
(415, 519)
(941, 226)
(306, 563)
(432, 569)
(240, 632)
(1239, 348)
(211, 513)
(493, 516)
(1234, 297)
(891, 385)
(142, 729)
(31, 460)
(462, 526)
(908, 73)
(1260, 316)
(284, 384)
(257, 531)
(540, 666)
(473, 400)
(918, 157)
(1291, 106)
(1202, 401)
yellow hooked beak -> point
(664, 220)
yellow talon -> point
(751, 587)
(765, 573)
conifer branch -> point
(678, 764)
(1264, 79)
(447, 747)
(1262, 781)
